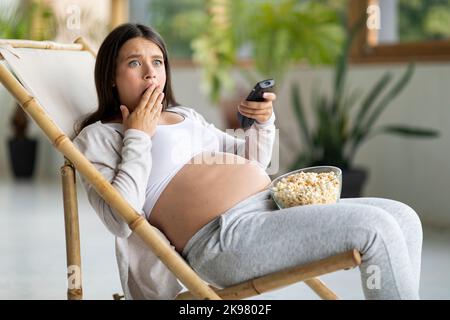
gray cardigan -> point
(125, 160)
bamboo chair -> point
(73, 82)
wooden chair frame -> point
(74, 160)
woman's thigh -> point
(257, 243)
(407, 219)
(401, 212)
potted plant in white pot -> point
(342, 123)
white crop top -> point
(173, 146)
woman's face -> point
(140, 63)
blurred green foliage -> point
(421, 20)
(16, 20)
(178, 22)
(274, 34)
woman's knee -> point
(406, 211)
(406, 216)
(403, 213)
(370, 224)
(370, 217)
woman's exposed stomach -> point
(203, 189)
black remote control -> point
(256, 95)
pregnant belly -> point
(202, 190)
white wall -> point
(414, 171)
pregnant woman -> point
(207, 191)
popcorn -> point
(307, 188)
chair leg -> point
(74, 290)
(118, 296)
(319, 287)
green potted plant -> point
(339, 130)
(275, 35)
(18, 21)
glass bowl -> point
(330, 192)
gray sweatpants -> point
(254, 238)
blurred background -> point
(361, 84)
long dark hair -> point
(105, 72)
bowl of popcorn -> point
(313, 185)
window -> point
(397, 30)
(401, 30)
(178, 21)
